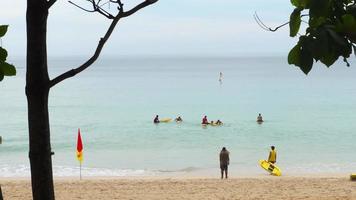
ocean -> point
(310, 119)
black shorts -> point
(223, 167)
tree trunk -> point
(37, 90)
(1, 198)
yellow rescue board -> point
(353, 177)
(271, 168)
(165, 120)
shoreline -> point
(177, 175)
(209, 172)
(190, 176)
(190, 172)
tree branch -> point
(50, 3)
(81, 7)
(96, 8)
(92, 59)
(101, 44)
(104, 12)
(138, 7)
(266, 28)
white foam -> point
(68, 171)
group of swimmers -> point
(205, 120)
(179, 119)
(156, 119)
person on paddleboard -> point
(259, 118)
(224, 162)
(205, 120)
(272, 158)
(178, 119)
(156, 120)
(220, 77)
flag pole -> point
(80, 170)
(80, 153)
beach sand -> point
(306, 188)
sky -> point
(167, 28)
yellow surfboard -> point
(165, 120)
(271, 168)
(353, 177)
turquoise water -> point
(310, 119)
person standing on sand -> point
(224, 162)
(272, 157)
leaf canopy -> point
(330, 32)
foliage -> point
(6, 69)
(330, 32)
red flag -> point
(79, 147)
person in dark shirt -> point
(224, 162)
(218, 122)
(178, 119)
(156, 120)
(259, 118)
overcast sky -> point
(169, 27)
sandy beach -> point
(306, 188)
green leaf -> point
(7, 69)
(295, 3)
(319, 8)
(329, 59)
(306, 61)
(348, 20)
(3, 30)
(319, 43)
(3, 54)
(337, 38)
(294, 55)
(316, 21)
(300, 3)
(294, 22)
